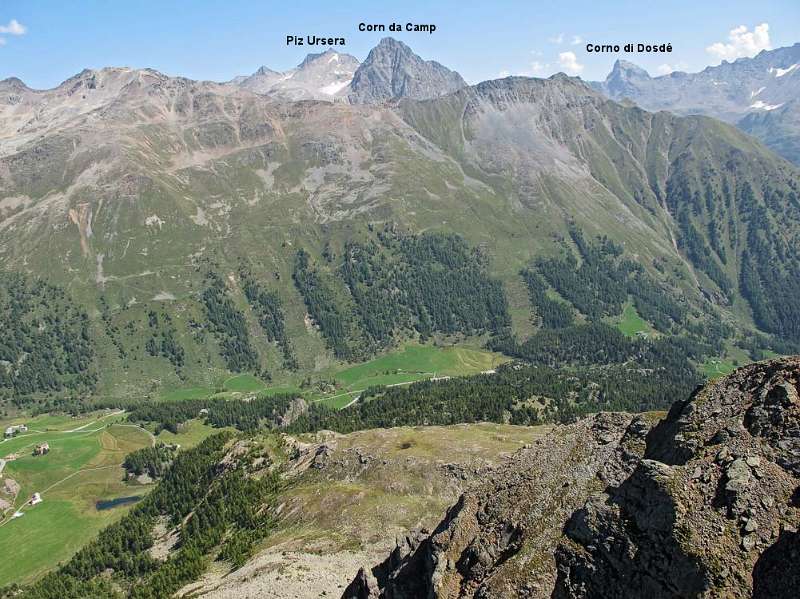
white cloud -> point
(666, 69)
(576, 40)
(556, 39)
(14, 27)
(538, 69)
(2, 41)
(569, 63)
(742, 43)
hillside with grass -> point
(202, 231)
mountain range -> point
(129, 187)
(391, 70)
(759, 94)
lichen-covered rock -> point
(711, 499)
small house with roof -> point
(41, 448)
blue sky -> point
(44, 42)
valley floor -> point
(83, 467)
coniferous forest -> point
(228, 325)
(46, 344)
(382, 287)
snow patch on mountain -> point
(778, 72)
(760, 105)
(334, 88)
(319, 77)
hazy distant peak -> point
(329, 56)
(320, 76)
(758, 94)
(627, 69)
(264, 70)
(13, 84)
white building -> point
(17, 428)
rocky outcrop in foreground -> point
(704, 504)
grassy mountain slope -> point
(129, 187)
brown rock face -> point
(704, 504)
(498, 540)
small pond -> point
(107, 504)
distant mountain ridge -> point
(761, 95)
(391, 70)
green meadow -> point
(412, 362)
(631, 324)
(244, 383)
(190, 434)
(240, 383)
(188, 393)
(82, 467)
(716, 367)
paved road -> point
(355, 399)
(359, 391)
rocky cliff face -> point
(705, 504)
(392, 70)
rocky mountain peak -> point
(264, 70)
(13, 84)
(392, 70)
(320, 76)
(390, 45)
(329, 56)
(627, 68)
(624, 79)
(624, 68)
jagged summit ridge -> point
(392, 70)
